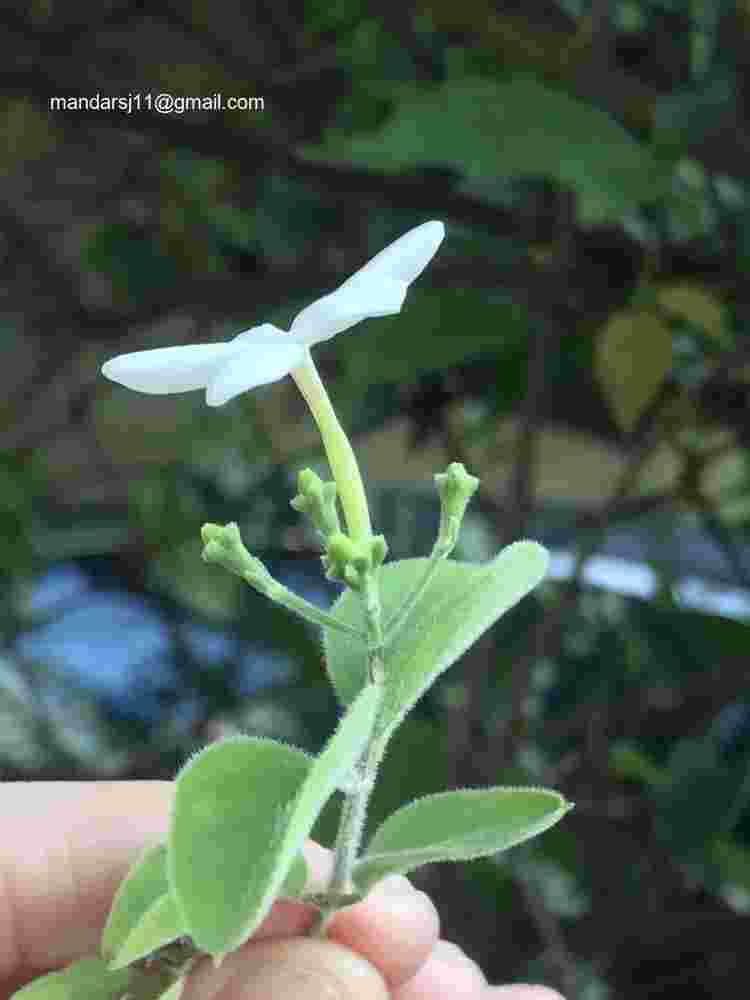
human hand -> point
(66, 846)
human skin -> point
(66, 846)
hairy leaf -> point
(242, 812)
(457, 826)
(462, 602)
(144, 884)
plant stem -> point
(277, 592)
(439, 552)
(354, 809)
(339, 451)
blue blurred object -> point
(129, 649)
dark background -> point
(581, 342)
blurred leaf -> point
(198, 216)
(438, 329)
(684, 119)
(489, 129)
(132, 260)
(289, 216)
(695, 304)
(629, 761)
(703, 797)
(30, 133)
(733, 861)
(634, 356)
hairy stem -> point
(354, 810)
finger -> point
(66, 846)
(448, 974)
(523, 991)
(290, 969)
(395, 927)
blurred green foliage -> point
(581, 342)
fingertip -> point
(395, 930)
(448, 974)
(287, 968)
(523, 991)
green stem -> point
(341, 458)
(278, 593)
(439, 552)
(354, 809)
(371, 598)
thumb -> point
(288, 969)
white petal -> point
(167, 369)
(360, 297)
(377, 289)
(259, 358)
(409, 255)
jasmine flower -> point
(266, 354)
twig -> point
(557, 956)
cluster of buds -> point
(318, 500)
(345, 559)
(352, 561)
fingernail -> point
(292, 984)
(447, 950)
(395, 885)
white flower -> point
(264, 353)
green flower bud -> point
(223, 546)
(378, 550)
(318, 500)
(350, 561)
(340, 553)
(456, 487)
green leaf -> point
(490, 325)
(490, 129)
(242, 812)
(633, 357)
(161, 924)
(231, 805)
(87, 979)
(145, 883)
(296, 878)
(462, 601)
(175, 990)
(457, 826)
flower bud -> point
(350, 561)
(378, 550)
(223, 546)
(456, 487)
(318, 500)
